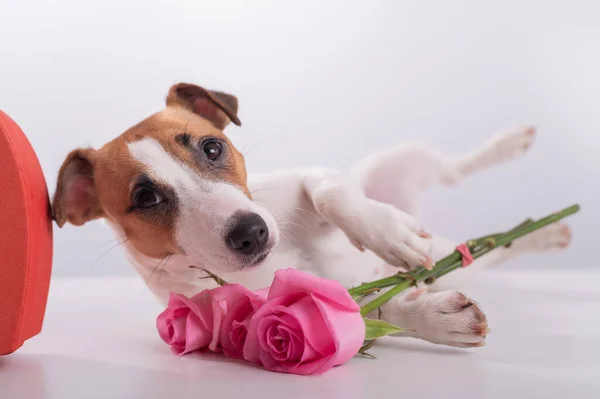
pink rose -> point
(187, 324)
(190, 324)
(307, 326)
(234, 327)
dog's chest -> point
(327, 255)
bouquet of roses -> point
(303, 324)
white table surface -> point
(99, 341)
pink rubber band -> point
(467, 257)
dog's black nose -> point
(249, 236)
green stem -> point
(481, 246)
(374, 304)
(400, 276)
(384, 282)
(492, 237)
(513, 234)
(555, 217)
(211, 275)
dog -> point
(175, 190)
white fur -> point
(163, 167)
(204, 206)
(324, 218)
(446, 317)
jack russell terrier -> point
(175, 190)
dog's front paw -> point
(393, 235)
(448, 318)
(455, 320)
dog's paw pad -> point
(459, 321)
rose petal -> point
(310, 322)
(201, 306)
(164, 321)
(267, 361)
(264, 327)
(164, 325)
(197, 335)
(229, 294)
(252, 347)
(219, 307)
(277, 346)
(223, 299)
(237, 338)
(297, 350)
(348, 333)
(283, 338)
(262, 294)
(288, 282)
(178, 324)
(237, 318)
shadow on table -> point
(412, 345)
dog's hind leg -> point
(553, 237)
(397, 176)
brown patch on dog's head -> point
(218, 107)
(75, 199)
(107, 182)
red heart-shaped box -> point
(25, 239)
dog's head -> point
(174, 184)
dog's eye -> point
(146, 198)
(212, 150)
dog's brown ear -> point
(76, 200)
(219, 108)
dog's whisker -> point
(253, 146)
(290, 222)
(258, 190)
(156, 268)
(284, 226)
(293, 224)
(277, 214)
(290, 210)
(303, 210)
(287, 239)
(292, 237)
(291, 242)
(113, 240)
(107, 251)
(163, 268)
(289, 230)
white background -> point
(323, 83)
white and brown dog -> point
(175, 189)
